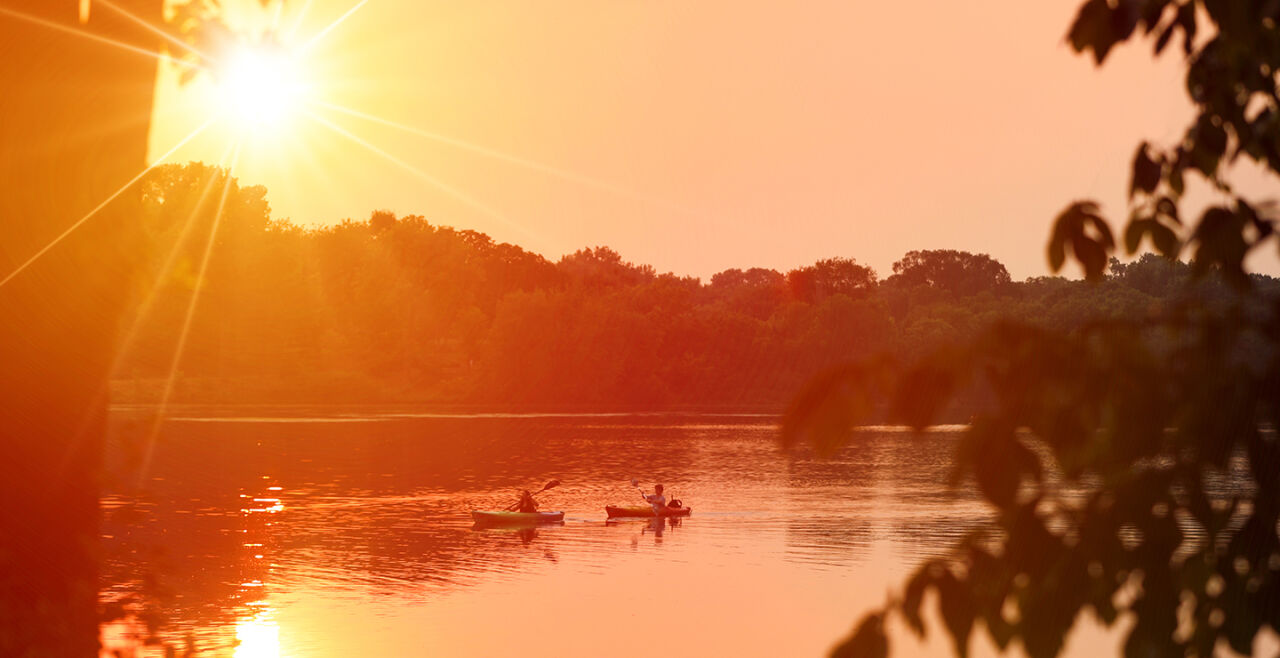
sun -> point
(260, 87)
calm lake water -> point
(349, 534)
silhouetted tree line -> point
(400, 309)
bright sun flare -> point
(260, 88)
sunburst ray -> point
(276, 17)
(53, 25)
(185, 331)
(436, 182)
(124, 344)
(297, 21)
(71, 229)
(137, 20)
(541, 167)
(144, 308)
(310, 43)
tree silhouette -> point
(73, 124)
(381, 220)
(1133, 463)
(398, 309)
(957, 272)
(832, 276)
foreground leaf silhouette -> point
(1133, 465)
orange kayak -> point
(646, 510)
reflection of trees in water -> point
(898, 487)
(828, 541)
(396, 548)
(183, 576)
(933, 536)
(866, 484)
(878, 457)
(377, 504)
(441, 454)
(835, 539)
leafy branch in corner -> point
(1133, 465)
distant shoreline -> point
(459, 410)
(372, 412)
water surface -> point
(330, 535)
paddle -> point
(636, 483)
(550, 485)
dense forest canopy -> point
(400, 309)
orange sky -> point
(739, 134)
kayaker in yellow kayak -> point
(527, 504)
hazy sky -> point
(727, 134)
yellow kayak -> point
(515, 518)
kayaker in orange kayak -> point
(656, 499)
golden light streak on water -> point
(258, 637)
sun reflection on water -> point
(257, 637)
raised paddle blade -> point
(551, 485)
